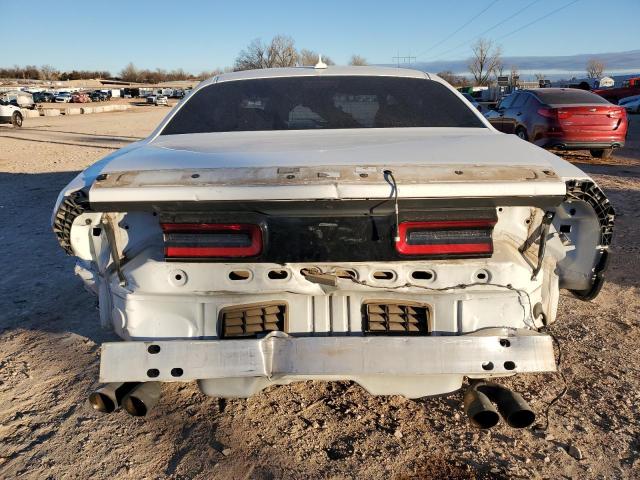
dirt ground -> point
(134, 102)
(50, 337)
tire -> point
(601, 152)
(16, 119)
(522, 134)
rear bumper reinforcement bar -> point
(280, 355)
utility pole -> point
(406, 59)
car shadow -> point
(93, 135)
(38, 289)
(120, 142)
(627, 171)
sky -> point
(199, 35)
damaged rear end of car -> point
(403, 259)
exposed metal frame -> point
(279, 355)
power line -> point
(538, 19)
(459, 29)
(501, 22)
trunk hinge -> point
(541, 233)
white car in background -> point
(157, 99)
(20, 99)
(10, 114)
(63, 97)
(341, 223)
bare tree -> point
(539, 76)
(308, 58)
(358, 61)
(595, 68)
(130, 73)
(485, 59)
(280, 52)
(47, 72)
(453, 79)
(498, 70)
(253, 57)
(448, 76)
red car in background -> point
(80, 97)
(629, 88)
(562, 118)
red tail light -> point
(617, 113)
(187, 240)
(449, 237)
(554, 113)
(547, 112)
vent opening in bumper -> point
(246, 321)
(395, 318)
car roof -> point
(317, 72)
(568, 95)
(551, 91)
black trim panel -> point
(362, 235)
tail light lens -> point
(189, 240)
(617, 113)
(450, 237)
(554, 113)
(547, 112)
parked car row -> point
(69, 97)
(563, 119)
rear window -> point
(520, 100)
(304, 103)
(568, 96)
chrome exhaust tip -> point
(139, 401)
(108, 398)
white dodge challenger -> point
(341, 223)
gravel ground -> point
(50, 337)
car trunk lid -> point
(594, 118)
(340, 164)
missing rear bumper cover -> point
(342, 357)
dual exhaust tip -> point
(135, 397)
(139, 398)
(479, 406)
